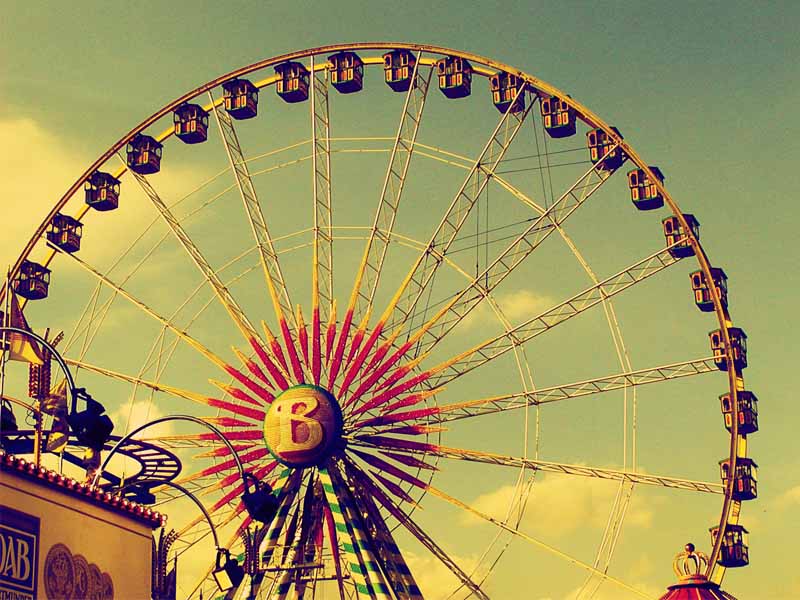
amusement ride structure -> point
(392, 371)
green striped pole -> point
(404, 586)
(285, 487)
(363, 544)
(285, 496)
(288, 576)
(357, 571)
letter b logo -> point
(302, 425)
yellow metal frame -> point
(481, 66)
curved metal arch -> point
(185, 492)
(190, 418)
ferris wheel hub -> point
(303, 426)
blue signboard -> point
(19, 554)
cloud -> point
(126, 418)
(517, 306)
(579, 502)
(788, 499)
(612, 591)
(434, 579)
(36, 167)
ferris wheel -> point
(404, 308)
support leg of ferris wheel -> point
(414, 529)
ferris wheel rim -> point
(735, 379)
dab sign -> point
(19, 554)
(302, 425)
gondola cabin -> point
(32, 281)
(673, 233)
(558, 117)
(292, 83)
(191, 123)
(102, 191)
(733, 552)
(398, 69)
(505, 87)
(240, 98)
(745, 482)
(65, 232)
(746, 411)
(739, 343)
(644, 193)
(455, 76)
(702, 291)
(144, 155)
(346, 71)
(602, 145)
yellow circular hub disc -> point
(303, 425)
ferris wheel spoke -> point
(159, 387)
(402, 306)
(506, 402)
(485, 352)
(276, 285)
(355, 474)
(322, 274)
(221, 291)
(502, 525)
(369, 271)
(516, 252)
(554, 316)
(422, 273)
(150, 312)
(534, 541)
(420, 448)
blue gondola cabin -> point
(558, 117)
(102, 191)
(746, 411)
(240, 98)
(455, 76)
(739, 344)
(292, 83)
(602, 145)
(644, 193)
(346, 71)
(191, 123)
(32, 281)
(733, 551)
(505, 87)
(745, 482)
(144, 155)
(65, 232)
(398, 69)
(673, 233)
(702, 291)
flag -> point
(56, 405)
(21, 347)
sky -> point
(708, 92)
